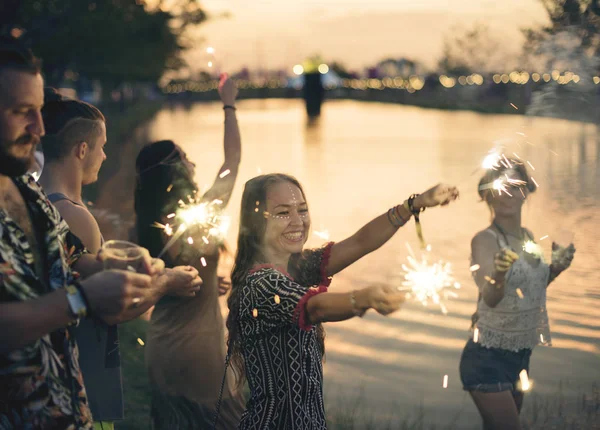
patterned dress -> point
(41, 386)
(281, 351)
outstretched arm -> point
(223, 184)
(381, 229)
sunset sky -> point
(280, 33)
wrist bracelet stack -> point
(395, 218)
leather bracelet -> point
(229, 107)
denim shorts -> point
(491, 370)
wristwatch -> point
(76, 302)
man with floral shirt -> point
(40, 380)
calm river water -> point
(361, 159)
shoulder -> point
(486, 238)
(76, 215)
(262, 271)
(81, 223)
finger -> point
(139, 280)
(147, 261)
(511, 254)
(396, 297)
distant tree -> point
(472, 50)
(340, 70)
(113, 41)
(580, 18)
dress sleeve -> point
(312, 266)
(279, 300)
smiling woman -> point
(278, 299)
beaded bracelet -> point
(355, 311)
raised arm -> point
(381, 229)
(225, 180)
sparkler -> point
(525, 383)
(533, 248)
(204, 218)
(428, 282)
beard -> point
(12, 166)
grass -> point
(567, 408)
(135, 377)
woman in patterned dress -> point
(278, 299)
(511, 317)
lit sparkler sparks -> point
(491, 161)
(200, 219)
(525, 383)
(428, 282)
(324, 234)
(533, 248)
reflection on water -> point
(361, 159)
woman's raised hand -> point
(441, 194)
(227, 90)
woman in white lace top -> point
(511, 315)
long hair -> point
(68, 122)
(162, 180)
(252, 230)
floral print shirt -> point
(41, 385)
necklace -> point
(505, 234)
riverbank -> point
(544, 99)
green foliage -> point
(580, 17)
(109, 40)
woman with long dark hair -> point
(511, 317)
(185, 347)
(279, 298)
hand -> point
(227, 90)
(182, 281)
(150, 266)
(562, 257)
(503, 261)
(224, 285)
(384, 299)
(441, 194)
(113, 294)
(156, 267)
